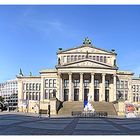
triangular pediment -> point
(86, 48)
(88, 63)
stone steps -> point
(68, 107)
(105, 106)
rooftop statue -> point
(20, 72)
(87, 41)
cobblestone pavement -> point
(23, 124)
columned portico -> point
(98, 86)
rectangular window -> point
(101, 58)
(66, 83)
(104, 59)
(50, 93)
(97, 58)
(93, 57)
(50, 83)
(27, 96)
(46, 94)
(27, 87)
(86, 83)
(126, 84)
(76, 83)
(137, 89)
(118, 84)
(133, 87)
(126, 95)
(54, 83)
(107, 84)
(30, 96)
(33, 96)
(30, 86)
(96, 83)
(122, 84)
(46, 83)
(68, 59)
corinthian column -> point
(92, 86)
(70, 86)
(103, 87)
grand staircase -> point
(70, 106)
(105, 107)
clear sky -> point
(31, 35)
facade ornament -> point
(87, 41)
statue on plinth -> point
(88, 107)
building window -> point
(68, 59)
(93, 57)
(79, 57)
(33, 86)
(50, 82)
(27, 96)
(66, 83)
(126, 95)
(133, 87)
(90, 57)
(30, 86)
(118, 84)
(83, 56)
(86, 83)
(30, 97)
(137, 98)
(104, 59)
(54, 83)
(27, 87)
(126, 84)
(122, 84)
(134, 98)
(97, 58)
(33, 96)
(101, 58)
(76, 83)
(46, 94)
(137, 88)
(96, 83)
(107, 84)
(72, 58)
(37, 96)
(46, 83)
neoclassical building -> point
(82, 73)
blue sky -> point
(31, 35)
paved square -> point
(21, 124)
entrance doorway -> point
(76, 94)
(107, 95)
(96, 95)
(86, 91)
(66, 94)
